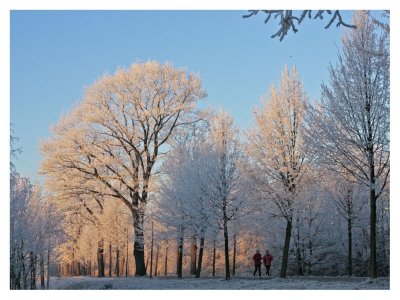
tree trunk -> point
(78, 268)
(177, 259)
(12, 269)
(19, 275)
(156, 266)
(234, 256)
(166, 259)
(198, 271)
(23, 276)
(122, 265)
(193, 255)
(48, 269)
(100, 258)
(147, 261)
(42, 272)
(350, 249)
(298, 250)
(32, 268)
(372, 187)
(117, 263)
(213, 262)
(138, 247)
(310, 245)
(151, 249)
(110, 265)
(285, 254)
(227, 271)
(373, 271)
(72, 267)
(180, 254)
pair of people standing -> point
(267, 259)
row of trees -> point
(33, 231)
(135, 159)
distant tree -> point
(313, 240)
(224, 190)
(349, 207)
(350, 125)
(33, 226)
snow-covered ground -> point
(219, 283)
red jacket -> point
(267, 259)
(257, 259)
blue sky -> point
(56, 54)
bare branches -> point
(381, 24)
(288, 20)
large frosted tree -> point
(350, 125)
(113, 139)
(277, 151)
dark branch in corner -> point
(288, 21)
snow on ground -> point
(219, 283)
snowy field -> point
(218, 283)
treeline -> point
(34, 234)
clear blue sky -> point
(56, 54)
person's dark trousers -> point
(267, 267)
(259, 270)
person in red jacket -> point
(257, 263)
(267, 259)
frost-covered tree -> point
(350, 125)
(201, 191)
(72, 194)
(20, 192)
(114, 138)
(224, 190)
(183, 202)
(347, 194)
(84, 228)
(314, 238)
(277, 150)
(33, 227)
(113, 223)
